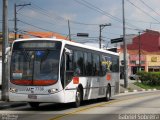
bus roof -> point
(69, 43)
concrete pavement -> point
(5, 105)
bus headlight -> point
(13, 90)
(51, 91)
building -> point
(153, 63)
(144, 52)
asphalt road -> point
(144, 106)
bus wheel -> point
(34, 104)
(108, 93)
(78, 98)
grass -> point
(130, 90)
(146, 86)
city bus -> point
(49, 70)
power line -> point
(80, 23)
(149, 7)
(34, 26)
(37, 19)
(143, 11)
(46, 14)
(93, 7)
(56, 18)
(39, 27)
(42, 9)
(141, 21)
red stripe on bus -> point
(44, 82)
(22, 82)
(35, 82)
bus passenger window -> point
(78, 63)
(96, 65)
(89, 66)
(108, 63)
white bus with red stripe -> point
(60, 71)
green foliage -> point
(149, 78)
(144, 86)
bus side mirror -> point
(67, 51)
(7, 52)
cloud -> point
(69, 16)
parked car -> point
(133, 77)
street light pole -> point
(69, 30)
(15, 17)
(101, 26)
(15, 22)
(4, 46)
(139, 44)
(124, 49)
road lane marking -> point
(98, 105)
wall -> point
(153, 63)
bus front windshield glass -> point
(35, 63)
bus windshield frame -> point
(35, 63)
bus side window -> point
(69, 60)
(78, 63)
(89, 64)
(96, 65)
(103, 66)
(115, 64)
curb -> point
(143, 90)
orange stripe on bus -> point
(108, 77)
(75, 80)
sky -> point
(84, 16)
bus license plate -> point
(30, 96)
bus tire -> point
(34, 104)
(108, 93)
(78, 98)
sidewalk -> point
(132, 88)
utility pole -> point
(15, 22)
(124, 49)
(139, 44)
(15, 17)
(69, 30)
(101, 26)
(4, 45)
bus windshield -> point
(36, 64)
